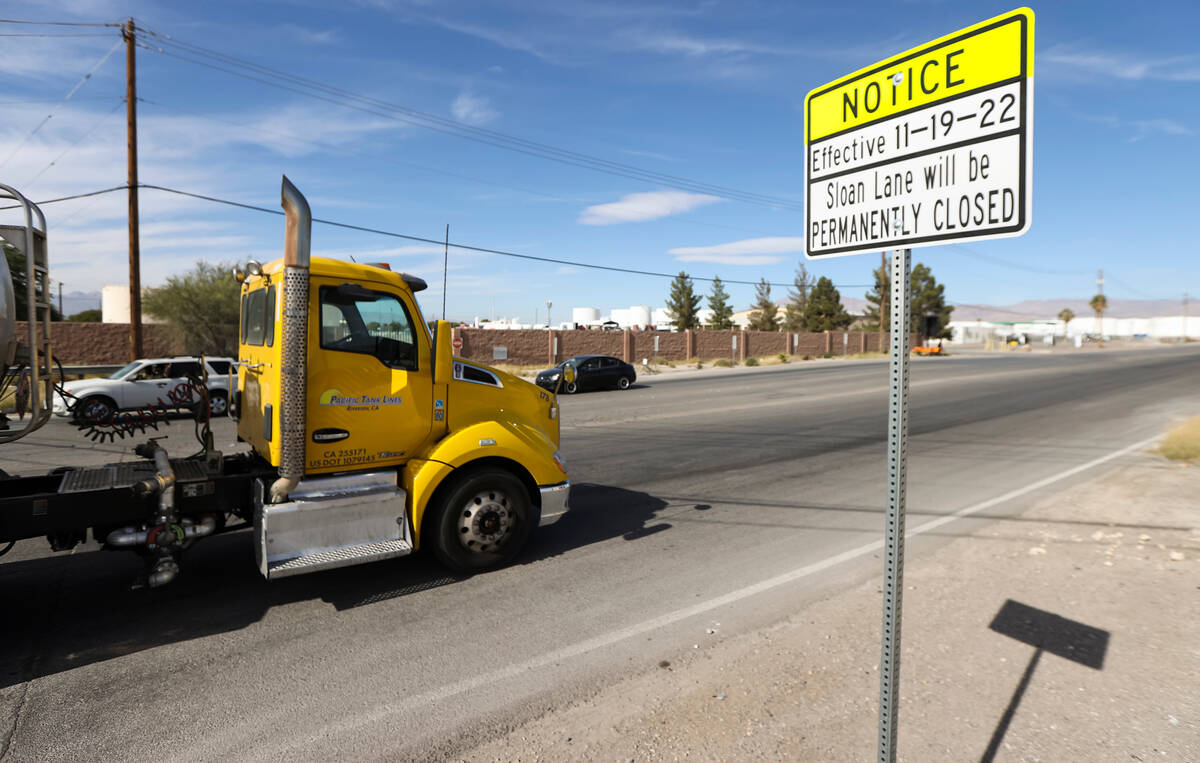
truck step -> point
(331, 522)
(338, 557)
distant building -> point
(1158, 327)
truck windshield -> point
(368, 322)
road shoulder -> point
(1118, 555)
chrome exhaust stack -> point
(294, 349)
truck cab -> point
(383, 441)
(368, 440)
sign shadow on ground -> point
(1047, 632)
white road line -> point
(608, 639)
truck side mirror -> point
(568, 373)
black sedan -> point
(591, 372)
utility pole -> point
(135, 267)
(548, 304)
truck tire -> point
(481, 522)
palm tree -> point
(1099, 303)
(1065, 315)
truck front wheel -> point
(482, 522)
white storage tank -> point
(585, 315)
(639, 315)
(114, 304)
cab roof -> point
(329, 267)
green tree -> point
(683, 303)
(201, 307)
(824, 311)
(1066, 315)
(793, 312)
(718, 302)
(86, 316)
(765, 315)
(927, 301)
(877, 314)
(928, 310)
(16, 267)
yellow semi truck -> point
(368, 439)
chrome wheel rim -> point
(486, 521)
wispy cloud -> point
(412, 12)
(639, 207)
(751, 251)
(1163, 126)
(1122, 66)
(650, 155)
(690, 45)
(473, 109)
(1140, 129)
(311, 36)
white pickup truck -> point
(152, 382)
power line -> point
(449, 123)
(333, 148)
(420, 239)
(66, 98)
(57, 34)
(348, 99)
(467, 247)
(71, 198)
(78, 140)
(59, 23)
(1013, 265)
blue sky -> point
(706, 91)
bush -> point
(783, 358)
(722, 363)
(752, 361)
(699, 364)
(1183, 442)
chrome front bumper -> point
(554, 502)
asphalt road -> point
(718, 502)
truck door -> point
(370, 389)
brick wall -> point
(108, 344)
(532, 347)
(102, 344)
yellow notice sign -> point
(928, 145)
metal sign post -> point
(926, 147)
(893, 566)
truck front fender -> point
(524, 450)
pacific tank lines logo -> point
(336, 398)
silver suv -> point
(149, 383)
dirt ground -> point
(1105, 576)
